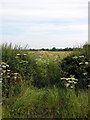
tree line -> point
(55, 49)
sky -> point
(44, 23)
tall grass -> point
(48, 103)
(33, 93)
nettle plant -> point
(75, 71)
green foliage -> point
(78, 64)
(17, 69)
(47, 73)
(48, 103)
(29, 81)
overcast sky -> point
(44, 23)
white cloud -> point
(48, 10)
(24, 17)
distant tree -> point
(42, 49)
(53, 49)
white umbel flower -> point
(18, 54)
(81, 63)
(3, 66)
(86, 63)
(81, 56)
(8, 70)
(85, 73)
(67, 85)
(75, 57)
(71, 87)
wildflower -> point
(81, 63)
(15, 77)
(63, 78)
(7, 65)
(86, 63)
(8, 70)
(85, 73)
(71, 87)
(0, 81)
(73, 78)
(18, 54)
(8, 76)
(67, 84)
(70, 81)
(3, 66)
(81, 56)
(89, 86)
(75, 82)
(15, 73)
(75, 57)
(76, 79)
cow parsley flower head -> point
(8, 76)
(81, 63)
(75, 57)
(71, 87)
(86, 63)
(7, 65)
(81, 56)
(18, 54)
(16, 74)
(67, 84)
(8, 70)
(4, 66)
(85, 73)
(15, 77)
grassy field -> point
(33, 88)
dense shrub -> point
(78, 65)
(17, 69)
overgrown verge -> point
(48, 103)
(29, 84)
